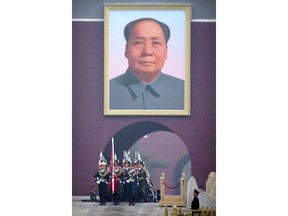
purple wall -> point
(92, 130)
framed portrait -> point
(147, 59)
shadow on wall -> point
(161, 149)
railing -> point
(171, 200)
(206, 201)
(189, 212)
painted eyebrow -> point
(153, 38)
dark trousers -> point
(116, 197)
(102, 192)
(132, 192)
(141, 191)
(125, 191)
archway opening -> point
(162, 151)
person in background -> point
(158, 195)
(195, 202)
(93, 194)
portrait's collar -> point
(138, 86)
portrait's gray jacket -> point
(165, 93)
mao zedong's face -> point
(146, 50)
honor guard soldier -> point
(126, 167)
(149, 191)
(132, 184)
(117, 181)
(102, 179)
(141, 178)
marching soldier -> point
(101, 177)
(150, 193)
(117, 175)
(126, 176)
(132, 184)
(141, 178)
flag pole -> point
(112, 165)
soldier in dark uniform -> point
(132, 184)
(195, 202)
(102, 179)
(158, 195)
(149, 191)
(126, 167)
(141, 178)
(118, 175)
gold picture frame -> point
(177, 64)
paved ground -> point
(90, 209)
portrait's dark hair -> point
(129, 26)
